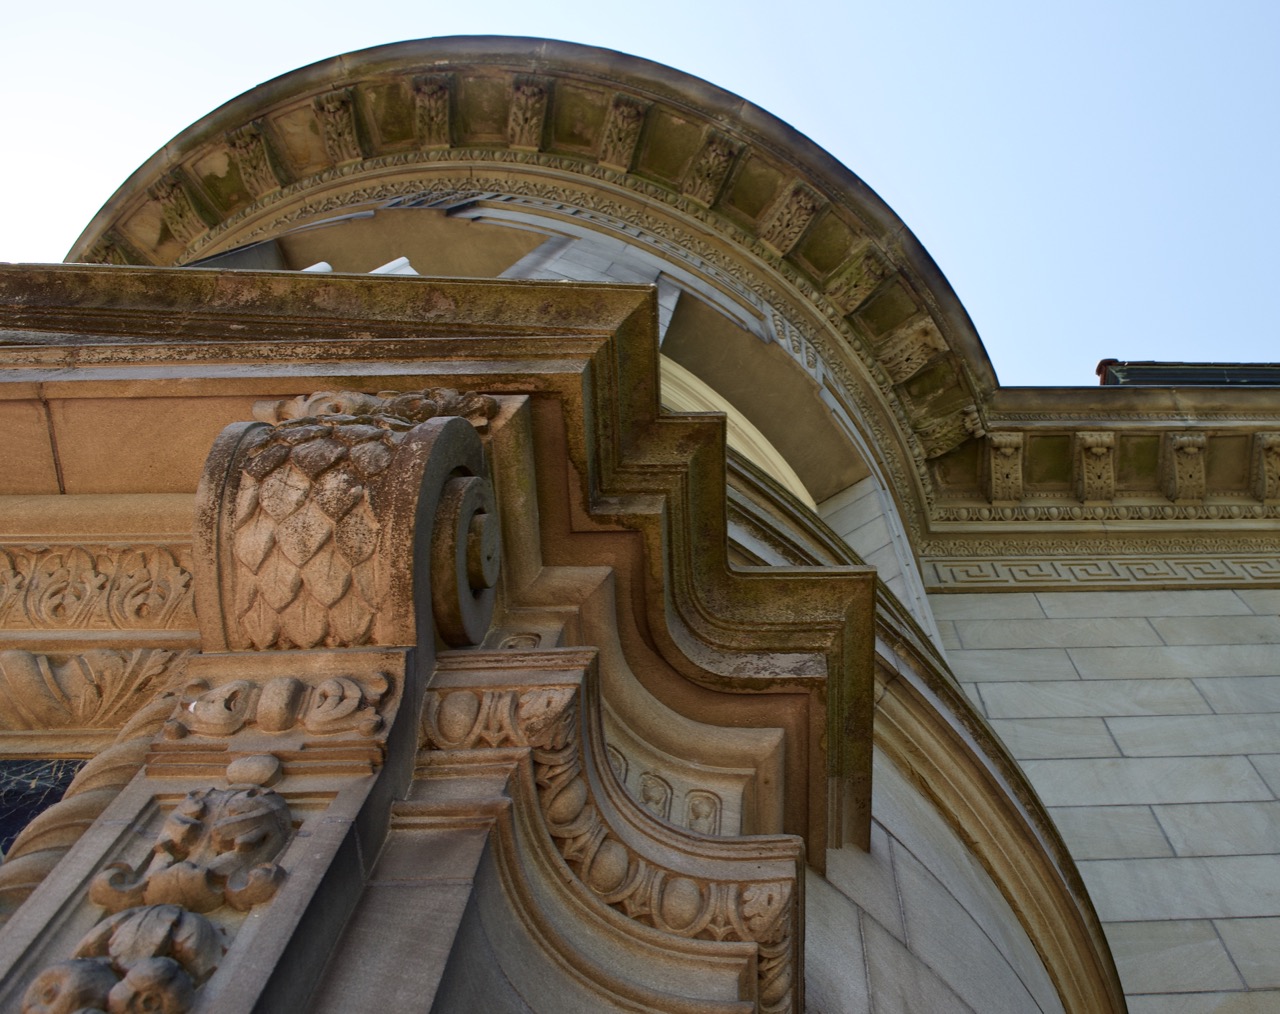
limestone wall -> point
(916, 923)
(1149, 723)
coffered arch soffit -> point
(702, 179)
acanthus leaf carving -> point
(96, 689)
(1266, 474)
(1005, 466)
(1184, 466)
(92, 587)
(407, 407)
(790, 217)
(908, 351)
(248, 148)
(849, 289)
(432, 98)
(527, 113)
(622, 131)
(156, 947)
(151, 958)
(1095, 453)
(710, 169)
(180, 215)
(941, 435)
(336, 112)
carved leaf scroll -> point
(180, 215)
(528, 110)
(335, 705)
(790, 217)
(336, 113)
(217, 847)
(622, 132)
(96, 689)
(90, 587)
(431, 94)
(1097, 466)
(1005, 465)
(249, 150)
(710, 169)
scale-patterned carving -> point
(307, 534)
(305, 528)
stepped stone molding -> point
(782, 653)
(480, 702)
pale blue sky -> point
(1095, 179)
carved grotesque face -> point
(70, 987)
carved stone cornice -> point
(800, 637)
(843, 311)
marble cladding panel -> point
(1149, 721)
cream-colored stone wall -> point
(1149, 723)
(916, 923)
